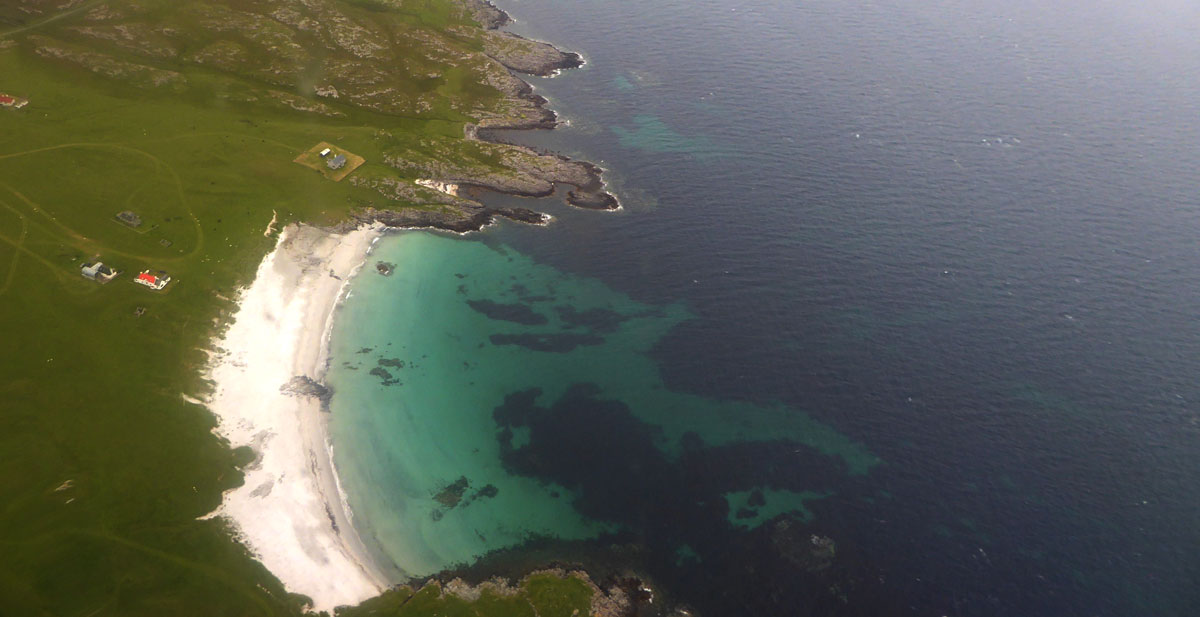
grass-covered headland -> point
(190, 115)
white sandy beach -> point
(290, 512)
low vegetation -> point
(190, 115)
(547, 594)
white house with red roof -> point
(16, 102)
(153, 281)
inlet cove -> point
(483, 400)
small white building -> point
(98, 272)
(325, 152)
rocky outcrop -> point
(302, 385)
(526, 109)
(527, 56)
(517, 54)
(514, 51)
(523, 172)
(621, 599)
(536, 179)
(486, 13)
(141, 75)
(593, 201)
(811, 552)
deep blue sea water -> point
(922, 278)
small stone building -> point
(129, 218)
(337, 162)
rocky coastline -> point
(614, 597)
(537, 174)
(521, 54)
(460, 219)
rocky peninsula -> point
(524, 171)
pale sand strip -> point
(289, 512)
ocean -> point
(900, 317)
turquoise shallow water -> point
(421, 360)
(962, 233)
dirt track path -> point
(19, 244)
(53, 18)
(78, 237)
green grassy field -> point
(107, 466)
(540, 595)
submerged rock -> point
(556, 343)
(516, 313)
(453, 493)
(809, 551)
(384, 376)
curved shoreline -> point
(289, 511)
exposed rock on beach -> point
(303, 385)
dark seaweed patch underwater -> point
(919, 278)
